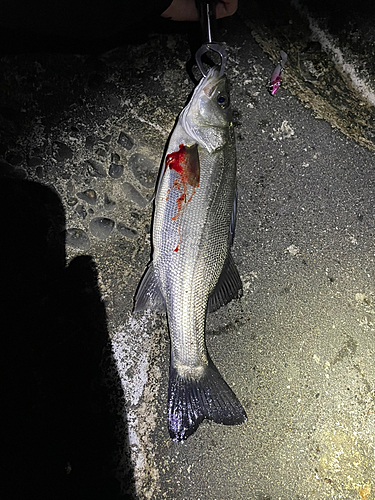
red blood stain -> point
(185, 162)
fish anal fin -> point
(228, 287)
(191, 400)
(148, 295)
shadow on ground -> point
(62, 434)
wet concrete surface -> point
(297, 348)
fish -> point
(275, 82)
(192, 270)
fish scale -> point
(191, 265)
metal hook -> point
(207, 17)
(215, 47)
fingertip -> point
(226, 8)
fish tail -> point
(190, 400)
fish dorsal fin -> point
(148, 295)
(228, 287)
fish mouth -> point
(206, 85)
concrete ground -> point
(297, 348)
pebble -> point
(63, 152)
(81, 211)
(126, 231)
(34, 161)
(39, 171)
(89, 196)
(70, 188)
(135, 215)
(108, 203)
(65, 174)
(101, 153)
(134, 195)
(36, 151)
(143, 168)
(14, 158)
(125, 141)
(115, 158)
(90, 142)
(71, 201)
(101, 227)
(116, 171)
(77, 238)
(95, 168)
(106, 139)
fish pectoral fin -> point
(190, 400)
(148, 295)
(228, 287)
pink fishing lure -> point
(276, 75)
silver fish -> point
(192, 270)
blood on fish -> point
(185, 162)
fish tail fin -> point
(190, 400)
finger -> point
(226, 8)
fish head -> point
(208, 115)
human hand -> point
(185, 10)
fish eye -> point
(223, 101)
